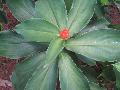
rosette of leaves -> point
(63, 30)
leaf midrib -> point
(108, 45)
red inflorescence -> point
(64, 34)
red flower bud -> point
(64, 34)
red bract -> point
(64, 34)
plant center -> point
(64, 34)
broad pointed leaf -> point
(86, 60)
(117, 73)
(71, 78)
(54, 49)
(45, 77)
(80, 14)
(37, 30)
(26, 69)
(99, 24)
(53, 11)
(12, 45)
(22, 9)
(101, 45)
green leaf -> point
(80, 14)
(14, 46)
(100, 45)
(1, 5)
(118, 4)
(25, 69)
(68, 4)
(91, 75)
(108, 73)
(45, 77)
(3, 18)
(117, 73)
(86, 60)
(22, 9)
(55, 47)
(94, 86)
(104, 2)
(71, 78)
(99, 11)
(37, 76)
(116, 26)
(89, 72)
(37, 30)
(0, 27)
(99, 24)
(53, 11)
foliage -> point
(3, 18)
(49, 31)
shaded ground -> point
(6, 69)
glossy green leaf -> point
(22, 9)
(71, 78)
(80, 14)
(26, 69)
(99, 24)
(86, 60)
(14, 46)
(45, 77)
(100, 45)
(55, 47)
(53, 11)
(117, 73)
(37, 30)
